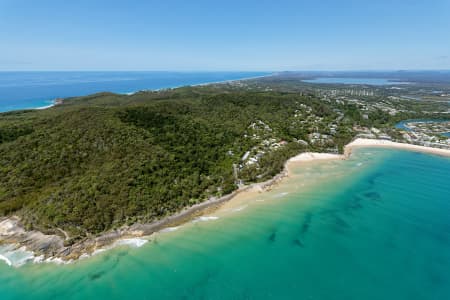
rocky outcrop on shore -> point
(51, 246)
(12, 232)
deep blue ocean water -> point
(22, 90)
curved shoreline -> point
(50, 248)
(57, 101)
(360, 142)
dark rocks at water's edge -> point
(12, 232)
(51, 246)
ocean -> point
(24, 90)
(375, 226)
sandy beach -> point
(394, 145)
(310, 157)
(52, 246)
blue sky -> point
(224, 35)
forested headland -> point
(98, 162)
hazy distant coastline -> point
(38, 90)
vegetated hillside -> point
(98, 162)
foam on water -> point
(240, 208)
(205, 219)
(97, 251)
(15, 257)
(5, 259)
(170, 229)
(58, 261)
(134, 242)
(38, 259)
(383, 228)
(131, 242)
(280, 195)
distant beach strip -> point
(37, 90)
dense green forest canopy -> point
(97, 162)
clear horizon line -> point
(223, 71)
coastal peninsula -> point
(90, 171)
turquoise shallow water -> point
(376, 226)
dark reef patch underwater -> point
(373, 227)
